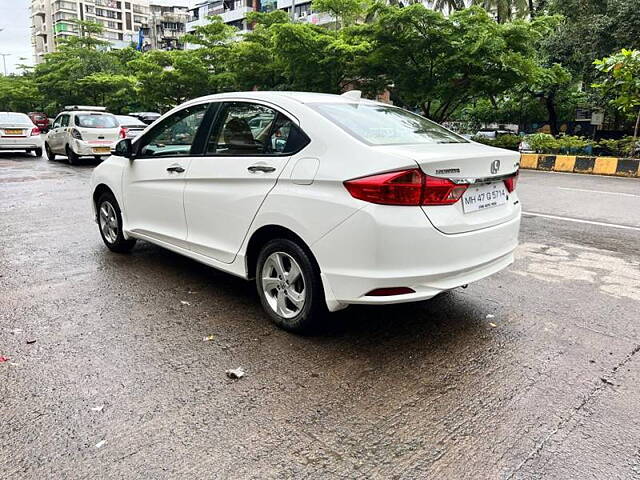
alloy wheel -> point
(283, 285)
(108, 222)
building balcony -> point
(236, 14)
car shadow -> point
(448, 315)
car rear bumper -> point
(83, 148)
(22, 143)
(389, 247)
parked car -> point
(146, 117)
(82, 131)
(40, 120)
(493, 133)
(18, 132)
(130, 127)
(339, 201)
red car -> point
(40, 120)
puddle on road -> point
(614, 276)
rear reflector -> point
(387, 292)
(406, 187)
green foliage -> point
(510, 142)
(346, 12)
(18, 94)
(622, 81)
(624, 147)
(545, 143)
(442, 63)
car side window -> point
(286, 137)
(64, 121)
(174, 136)
(242, 129)
(58, 122)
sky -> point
(15, 34)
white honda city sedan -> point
(325, 200)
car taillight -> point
(406, 187)
(512, 182)
(76, 134)
(123, 132)
(442, 191)
(35, 131)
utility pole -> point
(293, 10)
(4, 61)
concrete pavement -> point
(532, 373)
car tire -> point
(110, 224)
(38, 152)
(50, 155)
(294, 302)
(72, 156)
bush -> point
(510, 142)
(545, 143)
(624, 147)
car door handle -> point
(175, 168)
(261, 168)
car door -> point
(247, 149)
(53, 138)
(153, 184)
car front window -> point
(377, 124)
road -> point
(533, 373)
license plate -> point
(484, 196)
(102, 150)
(13, 131)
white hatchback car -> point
(17, 132)
(82, 131)
(334, 201)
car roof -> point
(301, 97)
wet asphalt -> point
(532, 373)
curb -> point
(619, 167)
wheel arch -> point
(98, 191)
(263, 235)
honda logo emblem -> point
(495, 166)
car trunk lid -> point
(486, 202)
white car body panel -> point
(212, 210)
(15, 132)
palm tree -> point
(506, 10)
(448, 5)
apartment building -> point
(143, 23)
(166, 24)
(233, 12)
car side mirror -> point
(123, 148)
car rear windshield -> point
(92, 120)
(385, 125)
(14, 118)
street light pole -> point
(4, 61)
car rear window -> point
(124, 120)
(92, 120)
(14, 118)
(385, 125)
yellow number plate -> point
(101, 150)
(13, 131)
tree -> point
(346, 12)
(442, 63)
(622, 80)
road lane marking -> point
(579, 220)
(599, 191)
